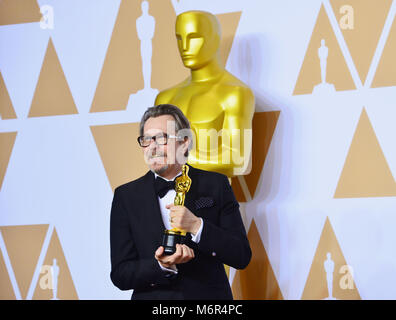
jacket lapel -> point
(151, 213)
(191, 194)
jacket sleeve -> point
(226, 240)
(128, 271)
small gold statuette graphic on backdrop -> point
(175, 235)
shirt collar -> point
(157, 175)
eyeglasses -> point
(160, 139)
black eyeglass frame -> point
(154, 138)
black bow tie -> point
(162, 186)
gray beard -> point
(160, 171)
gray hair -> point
(181, 122)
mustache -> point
(156, 154)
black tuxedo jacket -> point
(136, 230)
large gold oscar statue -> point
(219, 106)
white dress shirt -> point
(163, 202)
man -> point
(142, 209)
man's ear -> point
(187, 142)
(186, 138)
(184, 148)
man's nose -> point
(152, 146)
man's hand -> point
(184, 219)
(183, 254)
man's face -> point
(196, 40)
(162, 158)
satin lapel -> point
(191, 194)
(151, 211)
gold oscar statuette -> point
(174, 236)
(219, 106)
